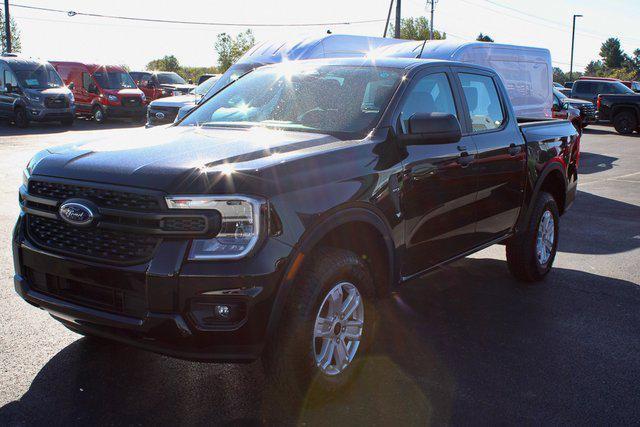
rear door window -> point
(483, 102)
(9, 78)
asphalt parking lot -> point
(465, 345)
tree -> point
(15, 35)
(417, 29)
(612, 54)
(230, 49)
(594, 69)
(484, 38)
(166, 63)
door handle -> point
(465, 159)
(514, 150)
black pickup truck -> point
(622, 110)
(273, 218)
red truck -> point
(103, 91)
(159, 84)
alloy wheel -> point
(546, 237)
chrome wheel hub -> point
(338, 328)
(545, 238)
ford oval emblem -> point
(160, 116)
(76, 213)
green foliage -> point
(166, 63)
(562, 77)
(416, 29)
(170, 63)
(230, 49)
(15, 35)
(612, 54)
(484, 38)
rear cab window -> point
(483, 102)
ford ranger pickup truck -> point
(273, 218)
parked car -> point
(526, 71)
(590, 89)
(164, 110)
(103, 91)
(32, 90)
(558, 85)
(272, 219)
(158, 84)
(568, 85)
(586, 110)
(620, 109)
(564, 111)
(203, 78)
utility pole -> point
(433, 5)
(7, 25)
(573, 36)
(397, 26)
(386, 26)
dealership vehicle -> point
(103, 91)
(271, 220)
(32, 90)
(203, 78)
(558, 85)
(158, 84)
(589, 89)
(164, 110)
(587, 112)
(564, 111)
(526, 71)
(620, 109)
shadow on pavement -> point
(465, 343)
(593, 163)
(51, 128)
(599, 225)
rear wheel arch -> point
(553, 180)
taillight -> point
(598, 102)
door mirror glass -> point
(432, 128)
(71, 85)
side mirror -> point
(432, 128)
(93, 88)
(566, 106)
(71, 85)
(556, 107)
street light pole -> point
(398, 21)
(573, 36)
(7, 25)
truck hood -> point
(175, 101)
(123, 92)
(180, 87)
(178, 159)
(577, 101)
(54, 91)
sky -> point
(542, 23)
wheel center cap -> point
(337, 329)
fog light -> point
(222, 311)
(215, 314)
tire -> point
(525, 259)
(290, 359)
(66, 122)
(98, 114)
(625, 122)
(21, 119)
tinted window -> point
(328, 99)
(10, 78)
(483, 101)
(614, 87)
(142, 79)
(431, 94)
(170, 79)
(114, 80)
(86, 80)
(42, 77)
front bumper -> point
(159, 295)
(39, 114)
(118, 111)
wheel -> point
(66, 122)
(326, 327)
(530, 254)
(21, 119)
(98, 114)
(625, 122)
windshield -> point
(114, 80)
(338, 100)
(43, 77)
(560, 95)
(617, 87)
(231, 75)
(170, 79)
(204, 87)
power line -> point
(72, 13)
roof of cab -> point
(445, 49)
(92, 67)
(17, 60)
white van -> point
(526, 72)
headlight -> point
(240, 222)
(112, 98)
(34, 98)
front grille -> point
(588, 110)
(102, 197)
(183, 224)
(131, 101)
(93, 243)
(56, 102)
(168, 114)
